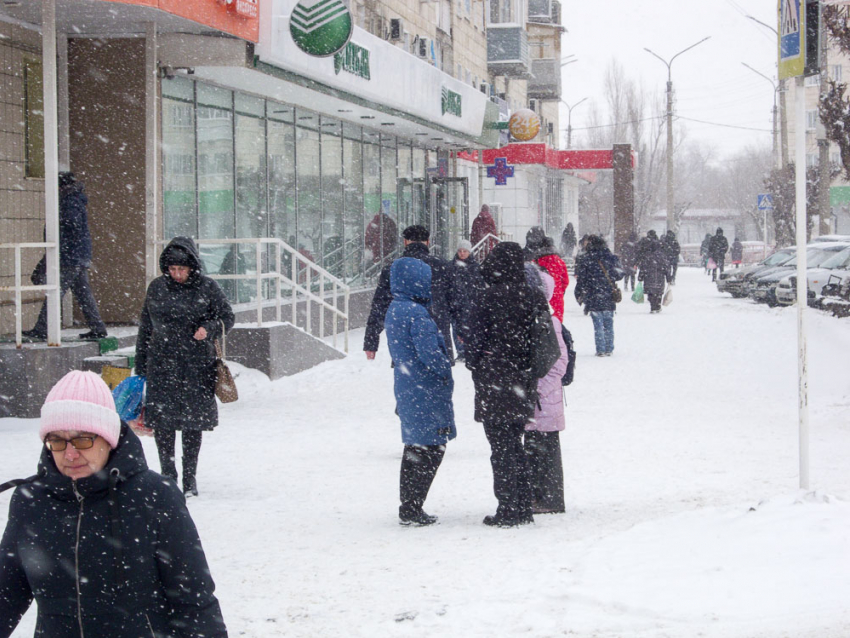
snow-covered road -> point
(681, 464)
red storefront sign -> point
(236, 17)
(244, 8)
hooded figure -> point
(596, 277)
(483, 225)
(465, 285)
(672, 250)
(423, 385)
(175, 350)
(499, 356)
(104, 546)
(717, 248)
(654, 271)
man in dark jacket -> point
(465, 283)
(654, 271)
(596, 278)
(416, 240)
(499, 354)
(717, 248)
(75, 256)
(671, 250)
(629, 258)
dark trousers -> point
(654, 300)
(511, 475)
(165, 441)
(77, 280)
(629, 280)
(674, 267)
(543, 451)
(419, 465)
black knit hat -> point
(416, 233)
(178, 257)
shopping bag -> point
(711, 264)
(668, 297)
(129, 396)
(637, 295)
(138, 425)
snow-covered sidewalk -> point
(684, 518)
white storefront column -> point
(151, 152)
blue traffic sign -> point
(765, 202)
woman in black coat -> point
(654, 271)
(181, 318)
(499, 355)
(105, 546)
(465, 283)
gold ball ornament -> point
(524, 125)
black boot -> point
(419, 465)
(191, 451)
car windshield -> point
(839, 260)
(816, 256)
(777, 259)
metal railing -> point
(18, 289)
(308, 282)
(483, 247)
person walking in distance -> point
(483, 225)
(737, 253)
(672, 250)
(499, 354)
(465, 283)
(416, 240)
(629, 261)
(568, 242)
(75, 256)
(423, 386)
(183, 314)
(717, 251)
(654, 271)
(541, 250)
(704, 249)
(596, 276)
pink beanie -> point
(81, 401)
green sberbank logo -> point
(321, 27)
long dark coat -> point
(654, 267)
(383, 296)
(499, 349)
(466, 283)
(422, 368)
(180, 370)
(138, 564)
(592, 287)
(717, 247)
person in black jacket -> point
(629, 257)
(183, 315)
(717, 248)
(704, 249)
(654, 270)
(597, 275)
(416, 240)
(104, 546)
(672, 250)
(465, 283)
(75, 256)
(499, 355)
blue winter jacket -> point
(423, 372)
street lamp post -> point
(570, 120)
(783, 129)
(669, 65)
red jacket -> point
(481, 225)
(556, 267)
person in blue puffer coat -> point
(423, 385)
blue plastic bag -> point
(129, 396)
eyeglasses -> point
(78, 443)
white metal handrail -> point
(302, 270)
(18, 288)
(482, 248)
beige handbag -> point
(225, 386)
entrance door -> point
(449, 212)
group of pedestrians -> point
(713, 252)
(494, 311)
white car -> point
(837, 265)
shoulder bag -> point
(225, 386)
(616, 293)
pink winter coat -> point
(549, 414)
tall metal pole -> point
(802, 283)
(51, 167)
(783, 129)
(670, 193)
(570, 120)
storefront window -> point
(354, 221)
(332, 200)
(308, 238)
(376, 251)
(178, 168)
(405, 185)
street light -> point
(570, 120)
(669, 65)
(783, 133)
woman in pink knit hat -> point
(105, 546)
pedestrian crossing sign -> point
(765, 202)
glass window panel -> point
(249, 105)
(374, 244)
(178, 169)
(307, 120)
(353, 205)
(352, 131)
(33, 118)
(280, 112)
(389, 192)
(214, 96)
(252, 218)
(308, 238)
(332, 199)
(281, 158)
(405, 186)
(179, 88)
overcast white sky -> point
(710, 83)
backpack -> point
(567, 379)
(545, 350)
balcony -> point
(545, 83)
(507, 50)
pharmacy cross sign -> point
(500, 170)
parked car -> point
(838, 265)
(822, 238)
(732, 281)
(763, 288)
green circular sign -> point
(321, 27)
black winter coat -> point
(593, 288)
(499, 349)
(466, 283)
(671, 249)
(139, 568)
(717, 248)
(180, 370)
(74, 236)
(439, 308)
(737, 251)
(654, 267)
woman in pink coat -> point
(542, 442)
